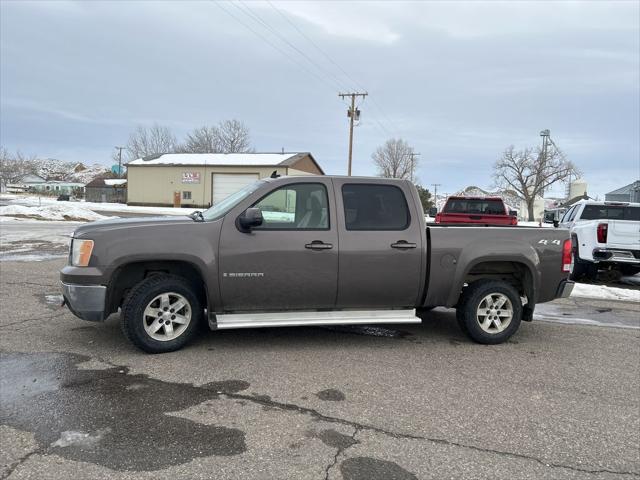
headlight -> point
(81, 252)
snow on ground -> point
(605, 292)
(31, 240)
(59, 211)
(31, 200)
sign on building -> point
(190, 177)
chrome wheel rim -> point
(494, 313)
(167, 316)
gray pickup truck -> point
(316, 250)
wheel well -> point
(127, 276)
(516, 274)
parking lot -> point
(557, 401)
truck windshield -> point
(223, 206)
(610, 212)
(466, 205)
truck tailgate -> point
(624, 234)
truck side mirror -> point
(513, 213)
(252, 217)
(556, 223)
(433, 211)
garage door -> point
(224, 184)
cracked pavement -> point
(416, 401)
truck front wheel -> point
(161, 314)
(489, 311)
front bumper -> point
(564, 289)
(85, 301)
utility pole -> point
(546, 140)
(413, 164)
(353, 114)
(120, 161)
(435, 194)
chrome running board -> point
(291, 319)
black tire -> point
(584, 270)
(133, 320)
(467, 311)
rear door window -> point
(610, 212)
(474, 206)
(374, 207)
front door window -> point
(302, 206)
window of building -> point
(374, 207)
(186, 195)
(302, 206)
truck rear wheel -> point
(161, 314)
(489, 311)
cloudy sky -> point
(459, 81)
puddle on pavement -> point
(331, 395)
(365, 468)
(368, 330)
(109, 417)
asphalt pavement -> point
(418, 401)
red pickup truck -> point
(484, 210)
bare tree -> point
(202, 140)
(234, 137)
(229, 136)
(14, 167)
(394, 159)
(154, 140)
(530, 172)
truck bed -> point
(457, 251)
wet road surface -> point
(354, 403)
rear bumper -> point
(85, 301)
(564, 289)
(616, 255)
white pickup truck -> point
(605, 236)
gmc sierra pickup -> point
(310, 251)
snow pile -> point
(54, 169)
(605, 293)
(31, 200)
(265, 159)
(60, 211)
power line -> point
(315, 45)
(241, 6)
(274, 46)
(323, 75)
(338, 66)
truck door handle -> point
(403, 244)
(318, 245)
